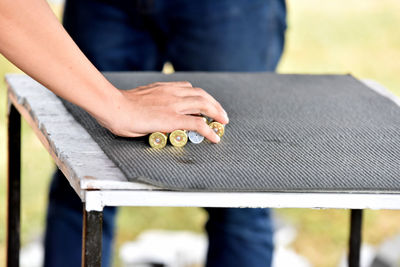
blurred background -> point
(352, 36)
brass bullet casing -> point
(158, 140)
(178, 138)
(218, 128)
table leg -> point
(355, 238)
(92, 238)
(14, 187)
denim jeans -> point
(194, 35)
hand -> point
(163, 107)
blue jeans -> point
(204, 35)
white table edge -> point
(98, 199)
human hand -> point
(163, 107)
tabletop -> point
(99, 182)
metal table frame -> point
(120, 193)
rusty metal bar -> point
(92, 238)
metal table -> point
(99, 182)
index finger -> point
(221, 115)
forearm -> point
(32, 38)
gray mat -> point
(321, 133)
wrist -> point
(106, 105)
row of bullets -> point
(179, 138)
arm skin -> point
(33, 39)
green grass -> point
(358, 37)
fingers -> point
(197, 124)
(201, 105)
(220, 115)
(201, 102)
(183, 84)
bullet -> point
(158, 140)
(195, 137)
(218, 128)
(178, 138)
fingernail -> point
(218, 138)
(226, 117)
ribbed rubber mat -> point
(317, 133)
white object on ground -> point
(182, 249)
(283, 255)
(388, 253)
(367, 256)
(171, 248)
(32, 254)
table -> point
(99, 182)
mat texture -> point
(322, 133)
